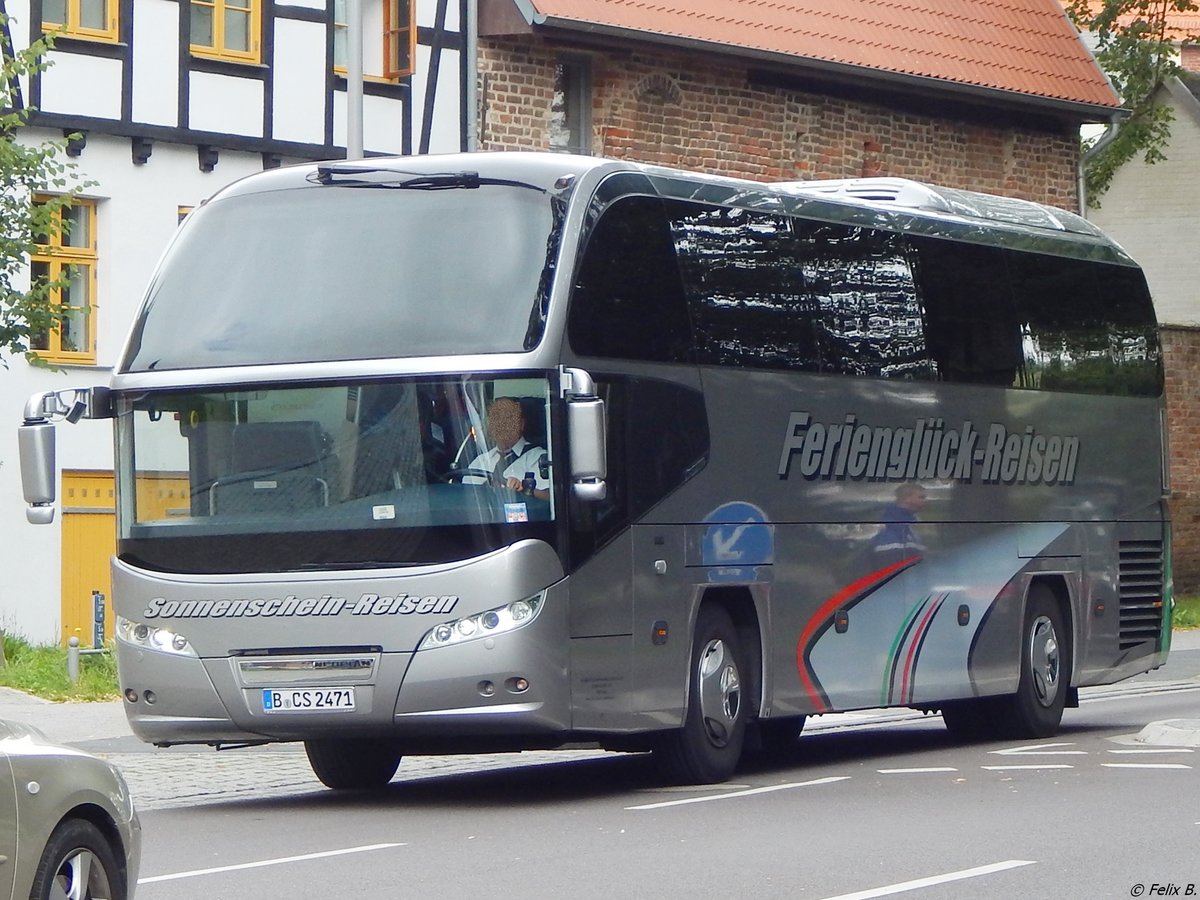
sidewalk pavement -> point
(172, 777)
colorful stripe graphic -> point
(847, 597)
(913, 638)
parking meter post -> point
(97, 620)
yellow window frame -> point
(74, 27)
(57, 257)
(399, 38)
(219, 10)
(399, 34)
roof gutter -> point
(1084, 112)
(1109, 135)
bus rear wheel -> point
(352, 764)
(1036, 709)
(708, 747)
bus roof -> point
(897, 204)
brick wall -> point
(664, 107)
(1181, 357)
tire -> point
(708, 747)
(352, 764)
(79, 862)
(1036, 709)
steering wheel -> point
(459, 474)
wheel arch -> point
(97, 815)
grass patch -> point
(1187, 612)
(42, 671)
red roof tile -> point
(1023, 47)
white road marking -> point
(267, 862)
(1145, 766)
(934, 880)
(1157, 750)
(1032, 766)
(1039, 750)
(760, 790)
(928, 770)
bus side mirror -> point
(35, 442)
(586, 437)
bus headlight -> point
(153, 637)
(485, 624)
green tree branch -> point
(1139, 52)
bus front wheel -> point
(708, 747)
(352, 764)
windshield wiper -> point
(345, 175)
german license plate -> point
(308, 699)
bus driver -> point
(511, 458)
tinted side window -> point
(971, 327)
(1086, 327)
(627, 301)
(869, 319)
(657, 439)
(743, 276)
(667, 437)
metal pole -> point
(354, 80)
(73, 660)
(472, 75)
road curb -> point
(1171, 733)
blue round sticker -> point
(738, 536)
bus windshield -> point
(374, 473)
(316, 274)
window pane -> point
(971, 326)
(1088, 327)
(340, 51)
(569, 107)
(202, 25)
(54, 11)
(628, 302)
(92, 14)
(742, 274)
(74, 334)
(237, 30)
(75, 227)
(397, 37)
(869, 316)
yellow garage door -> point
(89, 539)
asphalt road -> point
(867, 805)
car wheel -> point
(79, 863)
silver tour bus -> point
(493, 452)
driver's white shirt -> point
(526, 460)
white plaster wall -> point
(1152, 212)
(383, 123)
(225, 104)
(299, 113)
(136, 217)
(427, 14)
(446, 125)
(82, 85)
(302, 4)
(156, 62)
